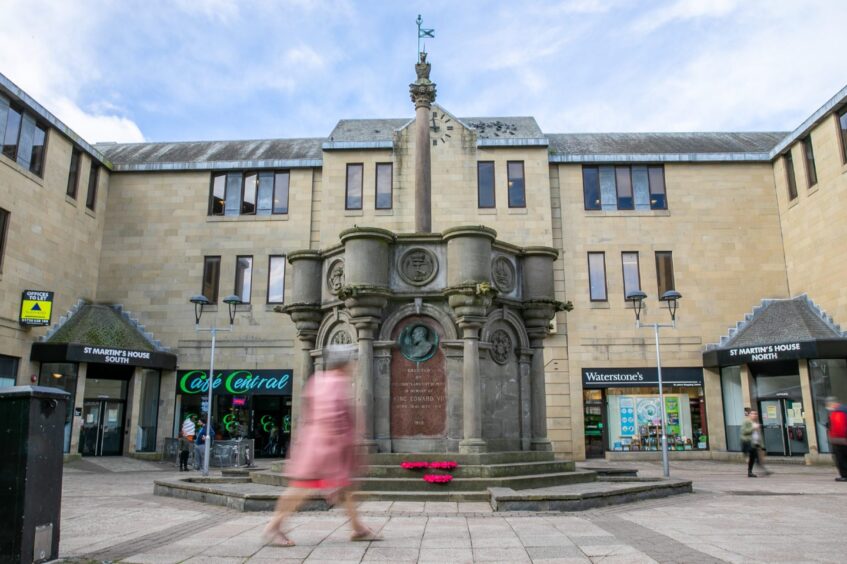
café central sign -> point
(236, 382)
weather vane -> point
(423, 33)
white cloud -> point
(683, 10)
(94, 127)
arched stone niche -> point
(505, 365)
(335, 329)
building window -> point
(485, 184)
(73, 172)
(248, 193)
(664, 272)
(218, 196)
(842, 127)
(517, 186)
(384, 173)
(4, 228)
(811, 170)
(619, 187)
(353, 198)
(22, 137)
(211, 278)
(91, 197)
(597, 276)
(8, 371)
(276, 279)
(631, 273)
(789, 175)
(281, 182)
(148, 411)
(243, 277)
(62, 375)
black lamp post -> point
(671, 297)
(200, 301)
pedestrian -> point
(837, 429)
(751, 442)
(323, 457)
(206, 430)
(189, 427)
(184, 445)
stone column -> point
(382, 395)
(133, 407)
(714, 411)
(748, 388)
(525, 365)
(471, 390)
(422, 92)
(366, 327)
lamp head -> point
(232, 300)
(671, 297)
(637, 299)
(199, 302)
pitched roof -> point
(266, 153)
(99, 325)
(781, 321)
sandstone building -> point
(748, 227)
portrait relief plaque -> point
(418, 383)
(503, 274)
(418, 266)
(335, 276)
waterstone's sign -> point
(236, 382)
(635, 377)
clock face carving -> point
(441, 127)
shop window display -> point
(828, 378)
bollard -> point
(32, 420)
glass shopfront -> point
(828, 378)
(623, 409)
(62, 375)
(253, 404)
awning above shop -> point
(779, 330)
(102, 334)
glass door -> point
(89, 434)
(593, 409)
(773, 430)
(102, 431)
(795, 427)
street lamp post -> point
(200, 302)
(671, 297)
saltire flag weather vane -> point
(423, 33)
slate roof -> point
(663, 143)
(101, 326)
(125, 156)
(782, 321)
(366, 130)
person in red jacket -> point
(838, 435)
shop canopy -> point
(103, 334)
(779, 330)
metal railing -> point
(225, 454)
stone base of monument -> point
(510, 481)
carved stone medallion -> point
(501, 346)
(503, 274)
(418, 342)
(418, 266)
(341, 337)
(335, 276)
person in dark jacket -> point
(838, 435)
(751, 442)
(206, 430)
(184, 447)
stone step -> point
(475, 471)
(483, 458)
(422, 496)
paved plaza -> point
(799, 514)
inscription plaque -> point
(418, 394)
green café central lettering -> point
(237, 382)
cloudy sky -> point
(127, 70)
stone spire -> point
(422, 92)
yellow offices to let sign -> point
(36, 307)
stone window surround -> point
(605, 296)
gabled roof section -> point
(208, 155)
(834, 103)
(663, 147)
(98, 325)
(781, 321)
(365, 133)
(506, 131)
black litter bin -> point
(32, 420)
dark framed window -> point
(809, 153)
(22, 137)
(211, 278)
(13, 130)
(789, 175)
(517, 184)
(384, 178)
(93, 177)
(658, 200)
(664, 272)
(631, 272)
(591, 187)
(244, 277)
(353, 195)
(8, 371)
(485, 197)
(35, 161)
(842, 128)
(623, 186)
(597, 277)
(249, 188)
(282, 180)
(276, 279)
(217, 197)
(4, 229)
(73, 172)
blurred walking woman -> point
(751, 442)
(323, 457)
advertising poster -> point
(627, 410)
(648, 411)
(672, 414)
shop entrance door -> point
(594, 428)
(102, 428)
(783, 427)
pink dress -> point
(323, 455)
